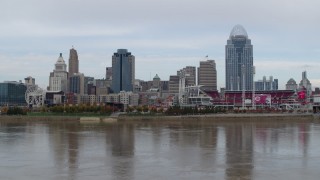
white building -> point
(58, 80)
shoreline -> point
(266, 117)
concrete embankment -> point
(223, 118)
(4, 118)
(97, 120)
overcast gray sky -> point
(164, 36)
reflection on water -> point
(237, 150)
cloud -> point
(32, 29)
(163, 35)
(15, 68)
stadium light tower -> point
(253, 88)
(243, 68)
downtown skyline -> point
(164, 37)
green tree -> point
(145, 108)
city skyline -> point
(283, 34)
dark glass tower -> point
(239, 60)
(123, 71)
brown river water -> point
(145, 150)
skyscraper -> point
(174, 84)
(207, 75)
(239, 60)
(58, 80)
(190, 73)
(305, 83)
(108, 73)
(76, 83)
(123, 71)
(73, 62)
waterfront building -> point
(58, 80)
(207, 75)
(76, 83)
(123, 71)
(113, 98)
(54, 98)
(239, 60)
(305, 84)
(73, 62)
(12, 93)
(291, 85)
(87, 99)
(266, 85)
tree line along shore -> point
(145, 113)
(102, 110)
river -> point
(231, 150)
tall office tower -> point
(108, 73)
(190, 74)
(305, 83)
(207, 75)
(76, 83)
(123, 71)
(239, 60)
(73, 62)
(174, 85)
(58, 80)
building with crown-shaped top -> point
(58, 80)
(239, 60)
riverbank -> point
(154, 118)
(224, 117)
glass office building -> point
(123, 71)
(239, 60)
(12, 94)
